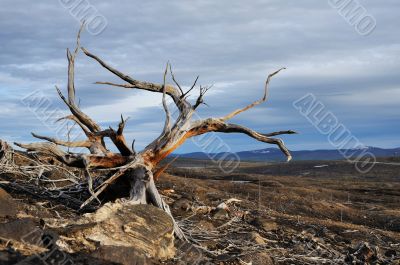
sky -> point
(233, 45)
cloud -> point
(230, 44)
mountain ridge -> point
(274, 154)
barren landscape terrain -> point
(307, 212)
(199, 132)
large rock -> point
(8, 207)
(122, 233)
(22, 230)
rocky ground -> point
(298, 213)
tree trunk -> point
(144, 191)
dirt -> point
(331, 215)
(288, 214)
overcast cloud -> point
(231, 44)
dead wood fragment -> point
(137, 168)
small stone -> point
(205, 225)
(220, 214)
(182, 204)
(264, 224)
(260, 258)
(257, 238)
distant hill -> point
(274, 154)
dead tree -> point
(139, 167)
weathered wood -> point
(3, 148)
(156, 200)
(138, 167)
(139, 179)
(255, 103)
(75, 110)
(109, 160)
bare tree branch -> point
(279, 133)
(162, 169)
(173, 78)
(203, 91)
(82, 117)
(71, 61)
(74, 119)
(118, 85)
(63, 143)
(109, 160)
(191, 88)
(255, 103)
(170, 90)
(167, 125)
(217, 125)
(118, 138)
